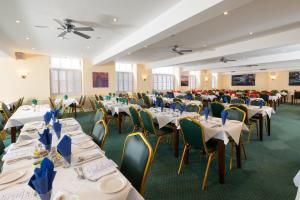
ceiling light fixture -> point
(88, 47)
(115, 19)
(251, 33)
(27, 38)
(33, 48)
(18, 21)
(225, 13)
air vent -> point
(262, 69)
(20, 55)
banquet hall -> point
(154, 100)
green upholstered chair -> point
(81, 103)
(237, 101)
(135, 117)
(147, 101)
(265, 97)
(193, 136)
(97, 106)
(192, 108)
(136, 160)
(256, 102)
(178, 104)
(99, 133)
(226, 96)
(52, 104)
(133, 100)
(149, 128)
(159, 100)
(99, 115)
(6, 111)
(97, 97)
(141, 103)
(101, 98)
(177, 100)
(216, 109)
(235, 113)
(198, 98)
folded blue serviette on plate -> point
(64, 148)
(42, 179)
(206, 112)
(57, 128)
(47, 117)
(248, 101)
(46, 138)
(181, 108)
(224, 114)
(261, 103)
(55, 113)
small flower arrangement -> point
(34, 102)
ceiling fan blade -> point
(186, 50)
(83, 29)
(180, 53)
(60, 23)
(82, 35)
(62, 34)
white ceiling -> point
(131, 15)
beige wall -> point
(87, 79)
(141, 73)
(263, 81)
(205, 80)
(36, 84)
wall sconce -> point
(144, 77)
(273, 76)
(205, 78)
(23, 74)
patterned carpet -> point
(267, 173)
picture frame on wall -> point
(294, 78)
(100, 80)
(184, 80)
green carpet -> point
(266, 174)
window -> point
(193, 80)
(65, 76)
(124, 80)
(214, 80)
(163, 78)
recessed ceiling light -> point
(27, 38)
(115, 19)
(225, 13)
(88, 47)
(18, 21)
(33, 48)
(251, 33)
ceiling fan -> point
(178, 50)
(67, 27)
(225, 60)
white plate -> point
(112, 184)
(23, 143)
(11, 176)
(86, 145)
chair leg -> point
(156, 146)
(242, 143)
(210, 157)
(182, 158)
(250, 132)
(231, 155)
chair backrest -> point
(92, 104)
(80, 100)
(192, 108)
(141, 102)
(147, 121)
(139, 95)
(20, 103)
(133, 100)
(96, 97)
(256, 102)
(265, 97)
(52, 105)
(193, 133)
(147, 101)
(178, 104)
(99, 133)
(99, 115)
(237, 101)
(83, 101)
(97, 105)
(177, 99)
(2, 121)
(2, 147)
(227, 97)
(135, 116)
(216, 109)
(198, 98)
(234, 113)
(7, 113)
(136, 160)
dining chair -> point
(193, 136)
(97, 97)
(135, 117)
(198, 98)
(147, 101)
(136, 160)
(226, 96)
(52, 105)
(81, 104)
(237, 101)
(101, 97)
(99, 133)
(235, 113)
(177, 100)
(192, 108)
(99, 115)
(141, 103)
(92, 104)
(133, 100)
(149, 128)
(6, 111)
(216, 109)
(256, 102)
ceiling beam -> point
(183, 15)
(289, 37)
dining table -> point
(25, 114)
(213, 129)
(99, 177)
(67, 103)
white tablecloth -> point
(66, 179)
(27, 113)
(66, 102)
(169, 116)
(117, 108)
(297, 184)
(208, 97)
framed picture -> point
(294, 78)
(184, 80)
(100, 79)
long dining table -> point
(212, 129)
(99, 171)
(25, 114)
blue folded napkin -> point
(156, 103)
(64, 148)
(173, 106)
(225, 100)
(57, 128)
(42, 179)
(46, 139)
(206, 112)
(261, 103)
(47, 117)
(248, 101)
(55, 113)
(181, 108)
(224, 114)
